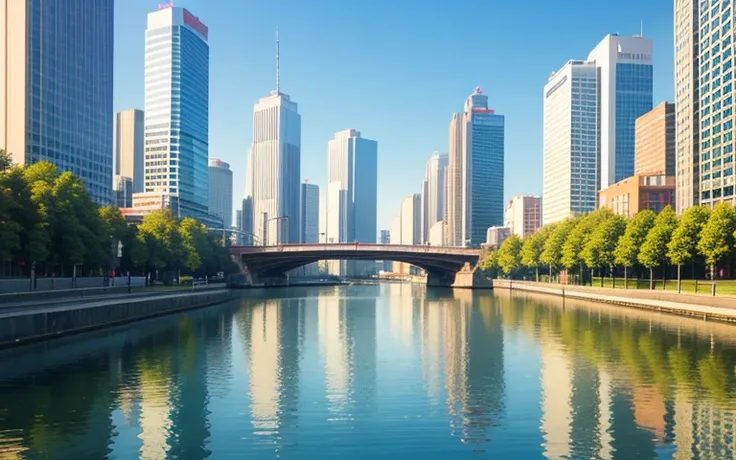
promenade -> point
(720, 308)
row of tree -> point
(50, 225)
(603, 241)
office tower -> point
(687, 115)
(523, 215)
(246, 223)
(122, 187)
(221, 191)
(129, 155)
(177, 109)
(475, 172)
(239, 226)
(275, 166)
(309, 227)
(411, 219)
(495, 236)
(571, 171)
(57, 87)
(352, 192)
(715, 87)
(655, 141)
(433, 193)
(385, 239)
(625, 70)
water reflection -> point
(369, 371)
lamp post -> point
(267, 219)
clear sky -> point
(394, 70)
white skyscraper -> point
(221, 191)
(433, 195)
(275, 167)
(129, 156)
(352, 194)
(177, 109)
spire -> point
(277, 60)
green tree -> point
(683, 247)
(627, 249)
(509, 255)
(116, 230)
(531, 251)
(717, 237)
(160, 242)
(195, 243)
(6, 160)
(33, 237)
(600, 247)
(572, 249)
(653, 251)
(489, 265)
(552, 253)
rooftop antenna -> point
(277, 60)
(641, 29)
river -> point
(385, 371)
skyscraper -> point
(655, 141)
(523, 215)
(309, 226)
(715, 48)
(475, 172)
(177, 109)
(221, 191)
(571, 162)
(57, 82)
(626, 75)
(352, 190)
(275, 166)
(411, 220)
(129, 155)
(433, 199)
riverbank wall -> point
(699, 306)
(40, 324)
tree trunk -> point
(679, 278)
(536, 272)
(651, 279)
(626, 277)
(713, 279)
(613, 277)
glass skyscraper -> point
(309, 226)
(57, 79)
(177, 109)
(625, 78)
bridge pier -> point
(468, 278)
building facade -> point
(715, 87)
(687, 114)
(476, 172)
(122, 187)
(571, 162)
(57, 86)
(433, 193)
(177, 109)
(129, 147)
(495, 236)
(646, 191)
(385, 238)
(352, 194)
(655, 141)
(626, 84)
(524, 215)
(309, 226)
(221, 191)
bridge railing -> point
(367, 247)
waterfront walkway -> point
(706, 307)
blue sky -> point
(395, 70)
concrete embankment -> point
(699, 306)
(38, 324)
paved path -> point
(719, 308)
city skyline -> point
(396, 177)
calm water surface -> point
(386, 371)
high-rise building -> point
(129, 155)
(122, 187)
(411, 219)
(221, 191)
(275, 166)
(590, 112)
(715, 48)
(626, 76)
(475, 172)
(239, 226)
(385, 239)
(57, 83)
(177, 109)
(687, 115)
(495, 236)
(655, 141)
(309, 227)
(523, 215)
(246, 223)
(433, 193)
(352, 193)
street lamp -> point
(267, 219)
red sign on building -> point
(195, 23)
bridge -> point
(445, 266)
